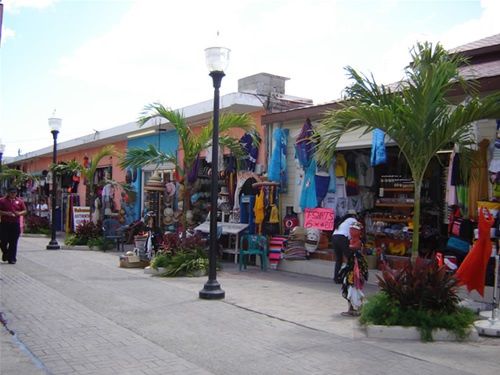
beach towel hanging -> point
(378, 154)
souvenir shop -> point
(371, 177)
(245, 195)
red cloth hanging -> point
(472, 271)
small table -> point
(229, 229)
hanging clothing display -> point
(251, 149)
(472, 271)
(478, 188)
(277, 166)
(378, 153)
(332, 186)
(340, 165)
(322, 182)
(494, 166)
(308, 195)
(451, 195)
(304, 147)
(364, 170)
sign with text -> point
(320, 218)
(81, 214)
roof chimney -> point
(262, 84)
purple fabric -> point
(193, 173)
(304, 147)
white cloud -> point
(17, 5)
(7, 34)
(486, 25)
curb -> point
(412, 333)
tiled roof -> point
(481, 43)
(482, 70)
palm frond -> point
(138, 158)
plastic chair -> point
(253, 244)
(113, 230)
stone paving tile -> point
(81, 314)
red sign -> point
(321, 218)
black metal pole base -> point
(53, 245)
(212, 290)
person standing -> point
(355, 273)
(340, 242)
(12, 208)
(42, 209)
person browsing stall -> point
(11, 209)
(340, 242)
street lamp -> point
(54, 125)
(217, 59)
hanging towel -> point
(332, 186)
(378, 155)
(308, 196)
(277, 166)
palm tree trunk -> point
(416, 219)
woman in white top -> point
(340, 241)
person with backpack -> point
(340, 241)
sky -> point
(97, 63)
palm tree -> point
(15, 177)
(87, 173)
(417, 115)
(192, 144)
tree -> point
(191, 144)
(15, 177)
(418, 115)
(87, 173)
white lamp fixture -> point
(217, 58)
(55, 124)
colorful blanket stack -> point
(276, 246)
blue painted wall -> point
(168, 142)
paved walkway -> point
(77, 312)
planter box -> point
(412, 333)
(126, 262)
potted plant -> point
(421, 295)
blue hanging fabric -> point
(304, 148)
(332, 186)
(277, 166)
(378, 155)
(308, 196)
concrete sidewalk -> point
(76, 312)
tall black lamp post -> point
(54, 125)
(217, 59)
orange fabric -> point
(472, 271)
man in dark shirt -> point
(11, 210)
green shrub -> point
(74, 240)
(187, 263)
(160, 260)
(101, 243)
(381, 309)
